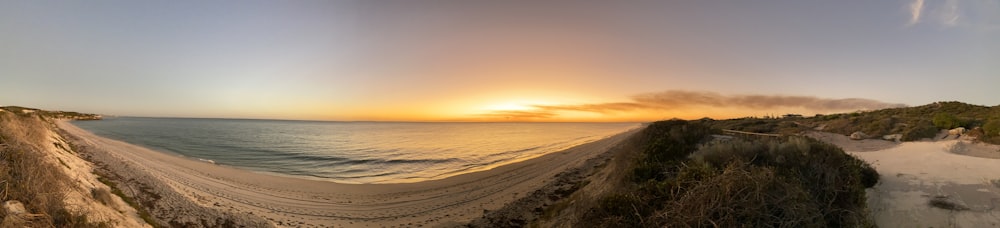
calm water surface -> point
(353, 152)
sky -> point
(496, 60)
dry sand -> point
(285, 201)
(81, 194)
(84, 194)
(850, 145)
(955, 173)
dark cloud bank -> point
(677, 99)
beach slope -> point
(180, 191)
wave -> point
(315, 157)
(396, 161)
(354, 152)
(509, 152)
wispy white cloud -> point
(972, 14)
(916, 8)
(949, 13)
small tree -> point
(992, 128)
(946, 121)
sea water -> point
(352, 152)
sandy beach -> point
(184, 190)
(956, 174)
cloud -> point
(970, 14)
(519, 115)
(679, 100)
(950, 14)
(603, 108)
(916, 8)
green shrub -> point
(947, 121)
(680, 138)
(920, 130)
(992, 128)
(827, 173)
(990, 131)
(622, 210)
(683, 181)
(667, 142)
(741, 195)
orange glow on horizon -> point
(510, 110)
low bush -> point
(685, 181)
(914, 123)
(992, 128)
(823, 170)
(947, 121)
(740, 195)
(667, 142)
(920, 130)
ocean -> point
(352, 152)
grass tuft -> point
(143, 213)
(27, 176)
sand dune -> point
(218, 191)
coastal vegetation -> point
(22, 111)
(684, 177)
(690, 174)
(27, 177)
(912, 123)
(671, 173)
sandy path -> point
(915, 173)
(850, 145)
(299, 202)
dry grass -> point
(756, 182)
(743, 195)
(27, 176)
(102, 195)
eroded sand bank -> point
(287, 201)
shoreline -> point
(432, 168)
(291, 201)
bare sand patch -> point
(943, 183)
(928, 184)
(975, 149)
(850, 145)
(284, 201)
(82, 194)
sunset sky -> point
(495, 60)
